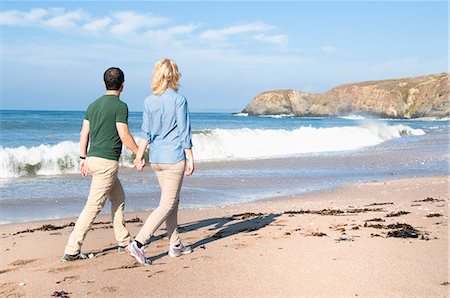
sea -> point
(239, 159)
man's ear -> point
(122, 86)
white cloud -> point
(97, 25)
(182, 29)
(52, 17)
(163, 37)
(65, 20)
(130, 22)
(221, 34)
(280, 39)
(19, 18)
(328, 49)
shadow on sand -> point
(223, 227)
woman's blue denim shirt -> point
(166, 125)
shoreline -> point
(335, 243)
(315, 193)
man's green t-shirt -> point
(103, 114)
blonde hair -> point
(165, 75)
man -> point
(106, 127)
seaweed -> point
(380, 204)
(46, 227)
(398, 230)
(399, 213)
(363, 210)
(434, 215)
(404, 231)
(428, 199)
(61, 294)
(335, 211)
(375, 219)
(247, 215)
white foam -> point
(223, 144)
(241, 114)
(353, 117)
(214, 145)
(278, 116)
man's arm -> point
(126, 137)
(84, 141)
(139, 161)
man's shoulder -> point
(96, 101)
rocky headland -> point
(424, 96)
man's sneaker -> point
(176, 251)
(69, 258)
(137, 253)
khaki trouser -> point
(104, 183)
(170, 178)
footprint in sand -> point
(69, 279)
(157, 272)
(107, 289)
(62, 269)
(22, 262)
(127, 266)
(17, 264)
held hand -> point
(139, 164)
(189, 167)
(83, 168)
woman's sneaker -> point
(178, 250)
(137, 253)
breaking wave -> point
(213, 145)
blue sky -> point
(54, 53)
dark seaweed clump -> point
(398, 230)
(395, 214)
(403, 231)
(47, 227)
(428, 199)
(434, 215)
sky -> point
(54, 53)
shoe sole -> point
(137, 258)
(174, 255)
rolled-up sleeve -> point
(146, 124)
(184, 122)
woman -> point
(166, 126)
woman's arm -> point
(184, 129)
(139, 161)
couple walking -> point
(166, 127)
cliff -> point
(424, 96)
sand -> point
(283, 247)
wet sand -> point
(339, 243)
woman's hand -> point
(189, 169)
(139, 163)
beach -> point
(343, 242)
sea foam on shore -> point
(215, 145)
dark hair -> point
(113, 78)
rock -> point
(424, 96)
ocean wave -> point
(278, 116)
(240, 114)
(214, 145)
(353, 117)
